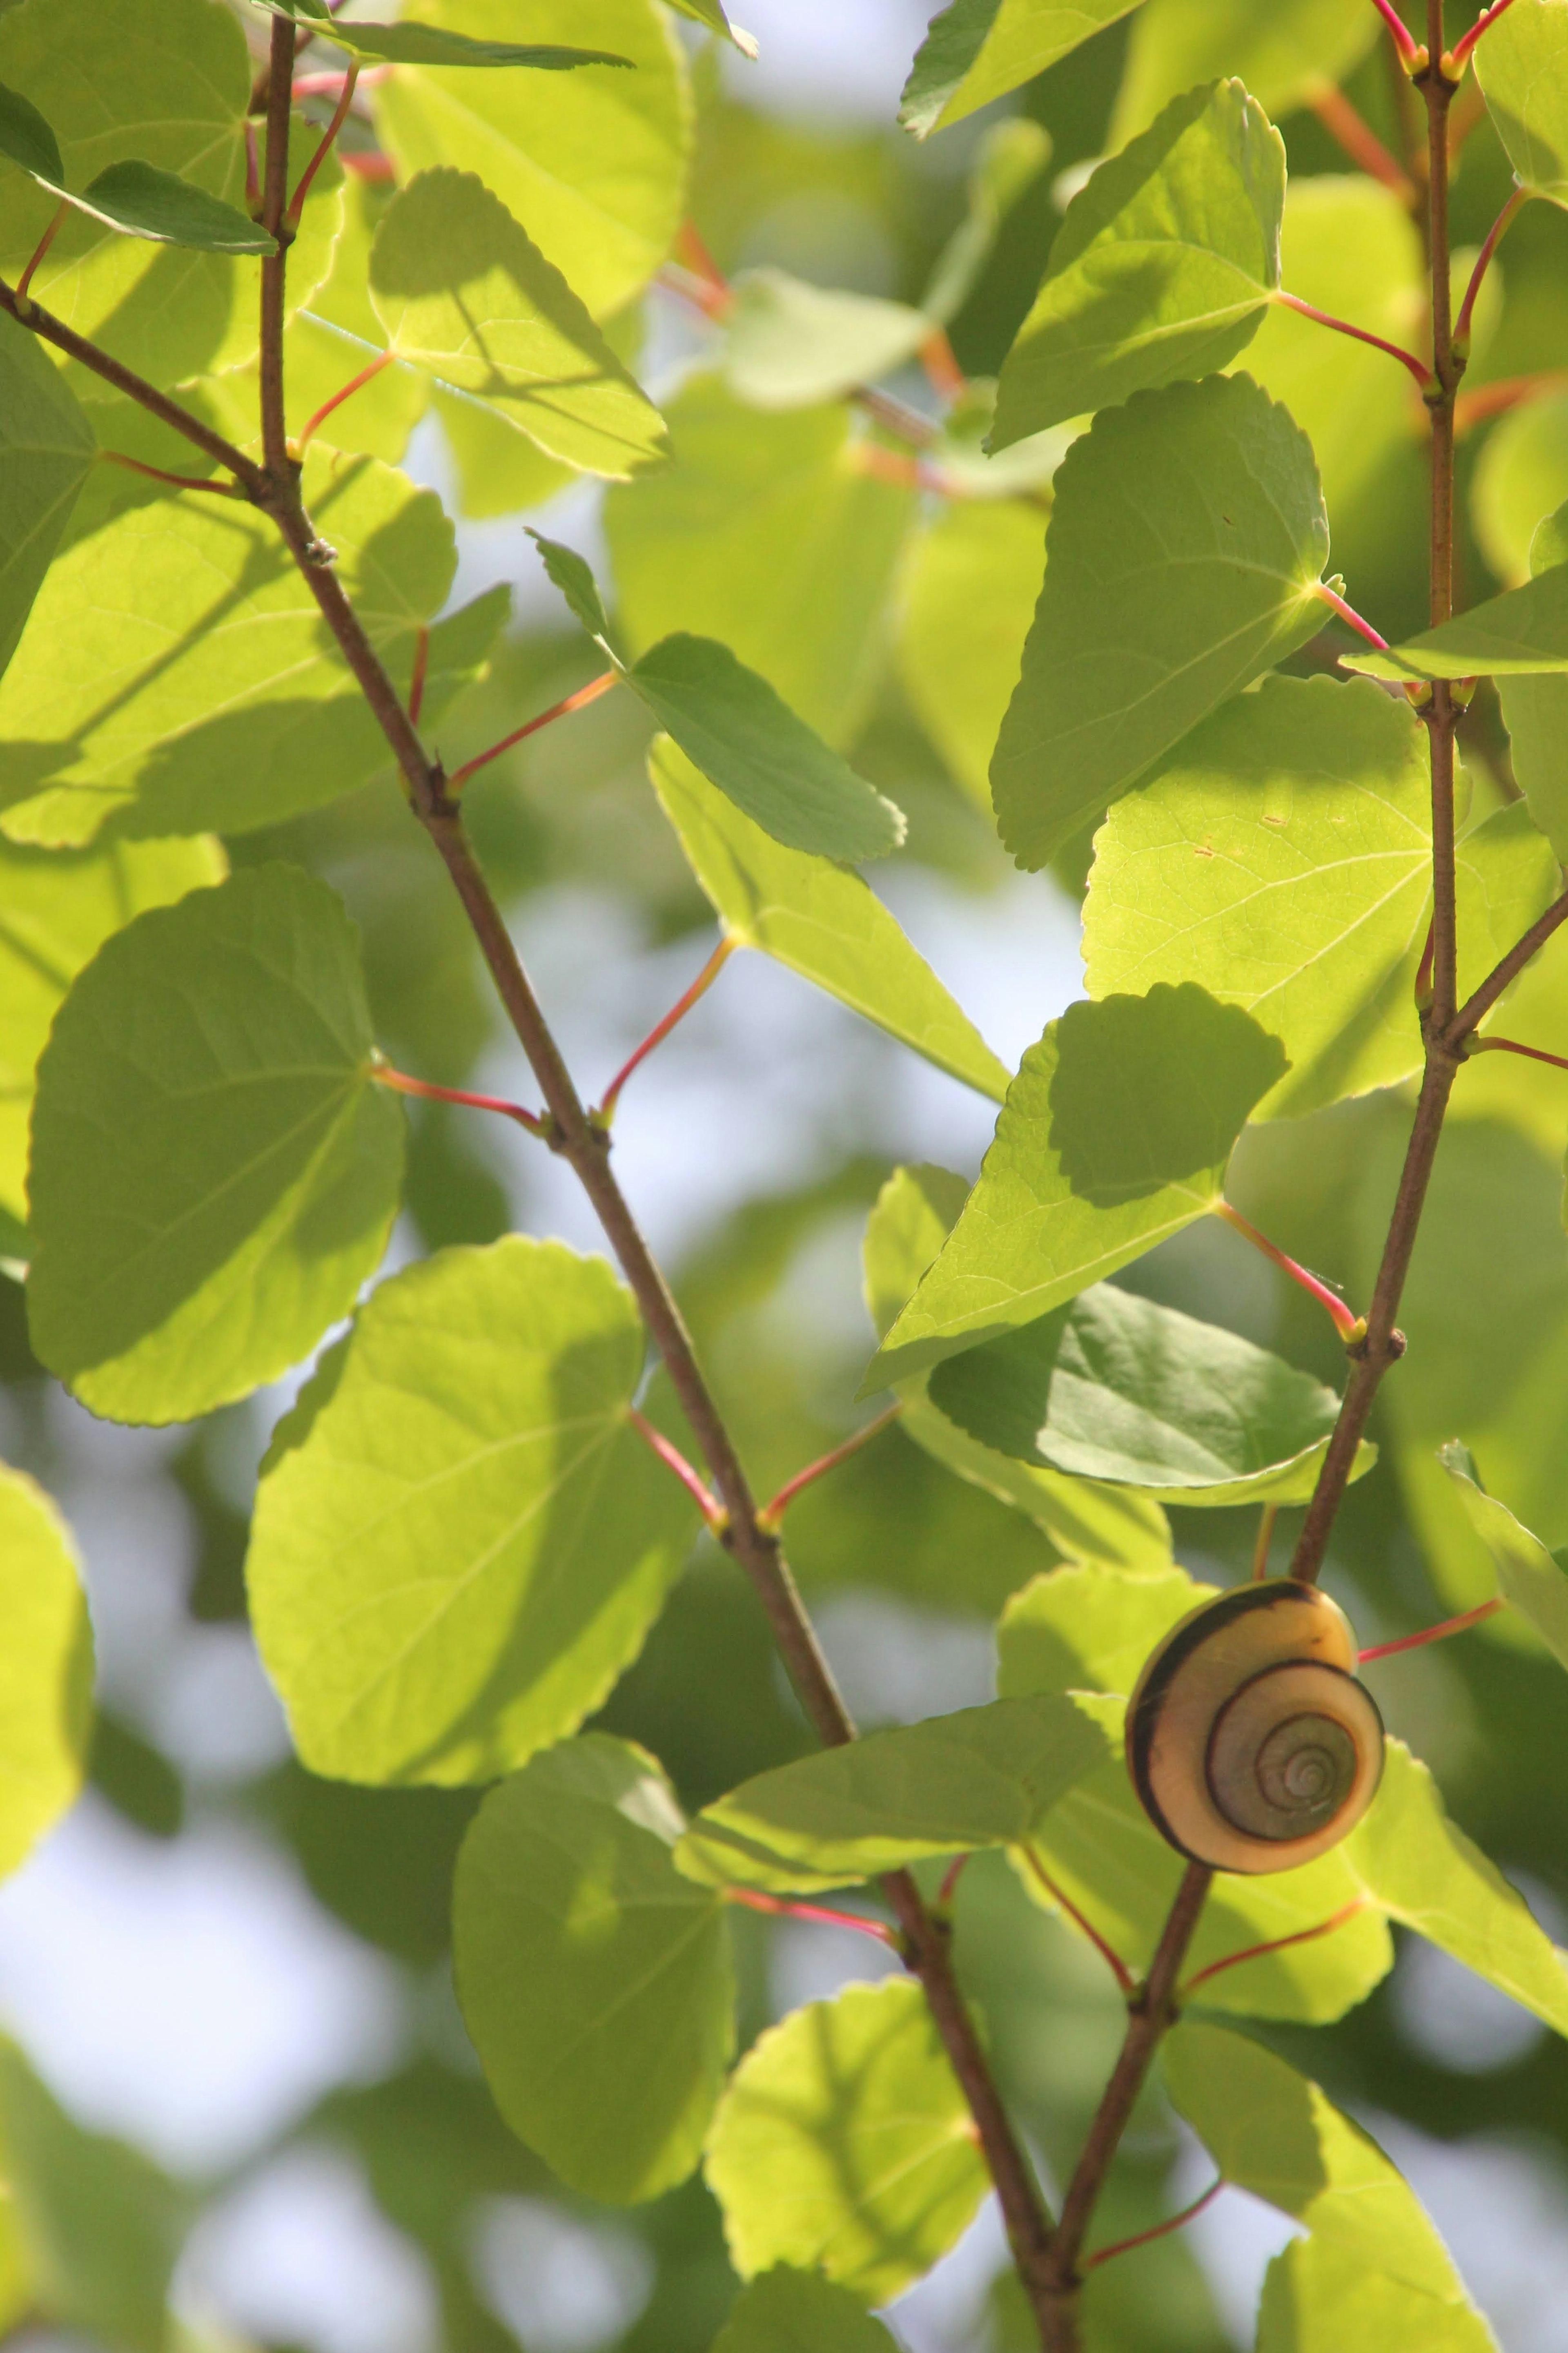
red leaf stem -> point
(772, 1513)
(1437, 1633)
(661, 1030)
(578, 702)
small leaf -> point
(981, 1777)
(822, 922)
(1186, 543)
(785, 2311)
(1528, 1575)
(1120, 1388)
(462, 292)
(730, 723)
(1535, 709)
(46, 448)
(975, 50)
(1162, 268)
(573, 576)
(1115, 1133)
(45, 1669)
(26, 138)
(1522, 65)
(212, 1174)
(843, 2144)
(142, 200)
(790, 344)
(1375, 2269)
(1520, 634)
(459, 1540)
(610, 2063)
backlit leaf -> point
(981, 1777)
(711, 14)
(821, 921)
(611, 2063)
(213, 1174)
(762, 532)
(57, 908)
(843, 2144)
(411, 43)
(26, 138)
(1281, 858)
(45, 447)
(1522, 64)
(1520, 634)
(177, 675)
(1161, 268)
(1527, 1576)
(572, 575)
(45, 1669)
(1374, 2270)
(1008, 157)
(1521, 478)
(1184, 550)
(785, 2311)
(1535, 709)
(593, 162)
(975, 50)
(460, 1540)
(140, 200)
(463, 292)
(968, 595)
(1115, 1133)
(1281, 52)
(1116, 1388)
(790, 344)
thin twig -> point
(1108, 1953)
(401, 1083)
(1506, 971)
(755, 1901)
(1276, 1944)
(661, 1030)
(670, 1455)
(42, 247)
(344, 392)
(1437, 1633)
(175, 481)
(1513, 1046)
(1404, 40)
(1418, 368)
(275, 265)
(1266, 1519)
(1141, 2238)
(1346, 1323)
(1494, 237)
(328, 139)
(1455, 63)
(417, 677)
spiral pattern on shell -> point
(1251, 1745)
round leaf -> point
(45, 1669)
(213, 1173)
(459, 1540)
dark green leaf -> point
(27, 138)
(568, 571)
(145, 202)
(975, 50)
(1528, 1575)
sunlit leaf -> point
(790, 344)
(785, 2311)
(213, 1174)
(711, 14)
(1521, 478)
(412, 43)
(1520, 634)
(1162, 268)
(968, 595)
(611, 2063)
(45, 447)
(45, 1669)
(460, 1540)
(1282, 52)
(975, 50)
(1535, 709)
(843, 2144)
(1115, 1133)
(1527, 1576)
(1184, 550)
(1522, 64)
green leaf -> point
(57, 908)
(1421, 1869)
(1522, 64)
(730, 723)
(981, 1777)
(1115, 1133)
(593, 162)
(1281, 858)
(1522, 633)
(786, 2311)
(26, 138)
(968, 595)
(1280, 51)
(1008, 156)
(1374, 2271)
(1186, 547)
(142, 201)
(612, 2063)
(1116, 1388)
(568, 571)
(45, 447)
(498, 469)
(100, 2225)
(790, 344)
(1521, 478)
(463, 293)
(843, 2144)
(1162, 268)
(764, 532)
(1527, 1576)
(710, 13)
(1535, 709)
(915, 1211)
(975, 50)
(460, 1540)
(1092, 1628)
(409, 43)
(45, 1669)
(213, 1174)
(820, 920)
(176, 674)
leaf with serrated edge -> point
(820, 920)
(213, 1173)
(1186, 543)
(975, 50)
(460, 1540)
(981, 1777)
(1374, 2271)
(612, 2065)
(1522, 65)
(1162, 268)
(843, 2144)
(1115, 1133)
(1527, 1574)
(1123, 1389)
(593, 162)
(1281, 858)
(45, 1668)
(785, 2311)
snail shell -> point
(1250, 1743)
